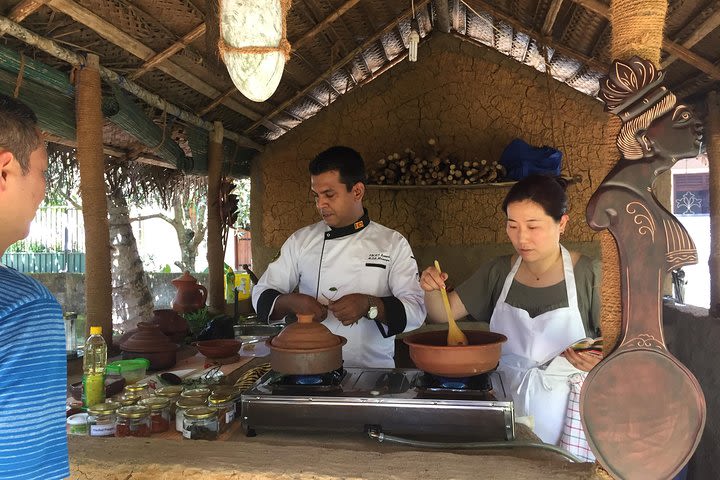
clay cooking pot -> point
(305, 348)
(431, 353)
(149, 342)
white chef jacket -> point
(365, 257)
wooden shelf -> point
(570, 180)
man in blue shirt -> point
(33, 372)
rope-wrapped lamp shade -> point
(253, 44)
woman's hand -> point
(431, 280)
(584, 360)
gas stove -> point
(393, 401)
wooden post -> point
(712, 134)
(215, 254)
(89, 121)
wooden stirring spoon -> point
(455, 335)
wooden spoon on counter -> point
(455, 335)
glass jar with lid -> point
(159, 413)
(226, 409)
(172, 393)
(201, 423)
(139, 389)
(196, 393)
(133, 421)
(101, 419)
(230, 390)
(126, 399)
(183, 404)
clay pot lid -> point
(185, 277)
(305, 335)
(148, 338)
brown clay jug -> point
(191, 296)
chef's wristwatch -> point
(372, 312)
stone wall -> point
(474, 101)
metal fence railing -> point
(45, 262)
(54, 229)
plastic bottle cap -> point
(95, 330)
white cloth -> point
(573, 436)
(537, 377)
(376, 261)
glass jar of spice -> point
(126, 399)
(230, 390)
(226, 409)
(159, 413)
(196, 393)
(101, 419)
(139, 389)
(133, 421)
(183, 404)
(172, 393)
(201, 423)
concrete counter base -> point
(284, 456)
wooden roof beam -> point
(52, 48)
(115, 152)
(442, 15)
(668, 45)
(350, 56)
(312, 33)
(550, 18)
(193, 35)
(117, 37)
(710, 24)
(24, 9)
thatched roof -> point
(169, 48)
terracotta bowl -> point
(221, 348)
(431, 353)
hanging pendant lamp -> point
(253, 44)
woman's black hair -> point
(546, 191)
(345, 160)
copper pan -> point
(431, 353)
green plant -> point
(197, 320)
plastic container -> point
(77, 424)
(201, 423)
(94, 363)
(132, 370)
(101, 419)
(133, 421)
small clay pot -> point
(171, 324)
(305, 348)
(149, 342)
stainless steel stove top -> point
(393, 401)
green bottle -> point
(94, 362)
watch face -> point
(372, 313)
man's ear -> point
(6, 163)
(358, 190)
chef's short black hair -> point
(546, 191)
(348, 163)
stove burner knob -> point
(374, 392)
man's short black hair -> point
(345, 160)
(18, 130)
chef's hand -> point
(350, 308)
(431, 280)
(583, 360)
(300, 303)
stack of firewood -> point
(435, 167)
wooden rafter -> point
(300, 42)
(702, 31)
(117, 37)
(51, 47)
(442, 15)
(193, 35)
(516, 25)
(218, 100)
(24, 9)
(551, 17)
(668, 45)
(342, 62)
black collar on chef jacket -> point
(362, 222)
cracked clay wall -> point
(474, 101)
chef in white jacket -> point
(357, 277)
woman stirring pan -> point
(543, 298)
